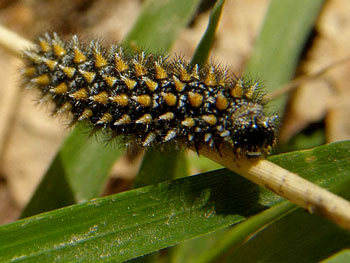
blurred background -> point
(318, 110)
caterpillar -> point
(149, 99)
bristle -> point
(210, 119)
(179, 86)
(152, 85)
(81, 94)
(146, 118)
(110, 80)
(221, 102)
(42, 80)
(167, 116)
(170, 135)
(60, 89)
(101, 97)
(184, 74)
(69, 71)
(120, 64)
(169, 98)
(125, 119)
(58, 46)
(78, 56)
(140, 69)
(195, 72)
(87, 113)
(149, 139)
(106, 118)
(51, 64)
(251, 91)
(88, 75)
(44, 45)
(130, 83)
(100, 60)
(210, 79)
(195, 99)
(121, 99)
(160, 71)
(237, 90)
(144, 100)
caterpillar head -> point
(253, 133)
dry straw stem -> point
(305, 194)
(260, 171)
(13, 42)
(301, 80)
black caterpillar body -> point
(149, 99)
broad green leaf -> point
(130, 224)
(286, 28)
(80, 168)
(341, 257)
(140, 221)
(296, 237)
(230, 239)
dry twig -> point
(305, 194)
(298, 81)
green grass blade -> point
(313, 240)
(238, 234)
(341, 257)
(202, 52)
(134, 223)
(278, 218)
(308, 238)
(212, 247)
(160, 22)
(287, 26)
(159, 166)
